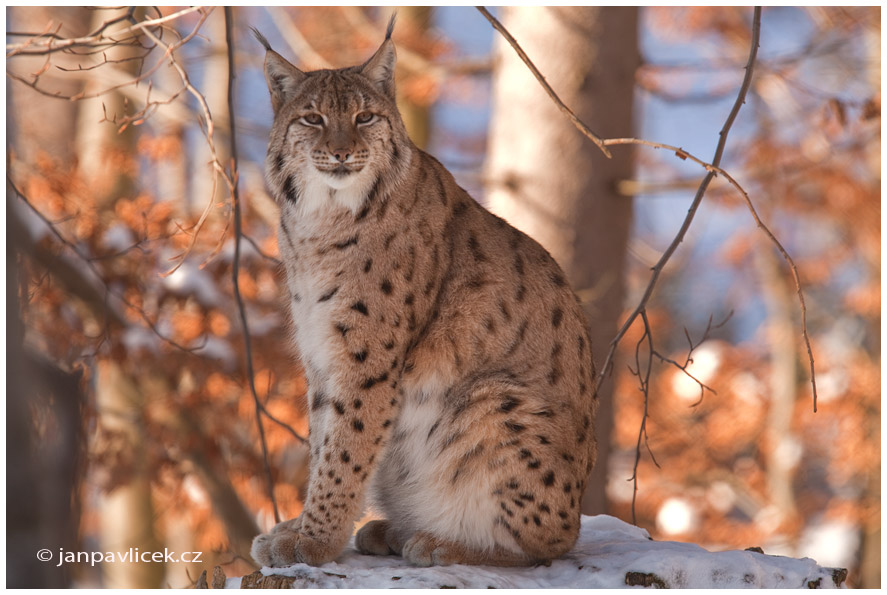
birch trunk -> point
(550, 181)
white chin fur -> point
(322, 191)
(339, 182)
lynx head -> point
(335, 129)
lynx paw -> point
(371, 540)
(286, 545)
(423, 549)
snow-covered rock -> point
(609, 554)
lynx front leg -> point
(347, 438)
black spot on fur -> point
(369, 201)
(342, 328)
(368, 265)
(508, 404)
(519, 264)
(476, 251)
(340, 408)
(360, 307)
(534, 464)
(557, 315)
(345, 243)
(358, 425)
(409, 299)
(357, 403)
(524, 454)
(386, 287)
(320, 401)
(513, 426)
(521, 293)
(476, 282)
(371, 382)
(360, 356)
(328, 294)
(357, 469)
(346, 457)
(521, 332)
(548, 478)
(557, 278)
(503, 307)
(289, 190)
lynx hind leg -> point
(540, 494)
(534, 457)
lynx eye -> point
(365, 117)
(312, 120)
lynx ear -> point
(283, 78)
(380, 68)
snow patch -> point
(609, 554)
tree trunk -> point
(553, 183)
(783, 446)
(38, 124)
(416, 117)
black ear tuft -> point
(261, 39)
(390, 29)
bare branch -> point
(579, 124)
(700, 192)
(95, 270)
(46, 44)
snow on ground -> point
(609, 554)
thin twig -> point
(645, 389)
(794, 269)
(583, 128)
(261, 252)
(700, 192)
(689, 359)
(235, 269)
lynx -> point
(449, 368)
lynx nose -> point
(341, 155)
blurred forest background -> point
(130, 418)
